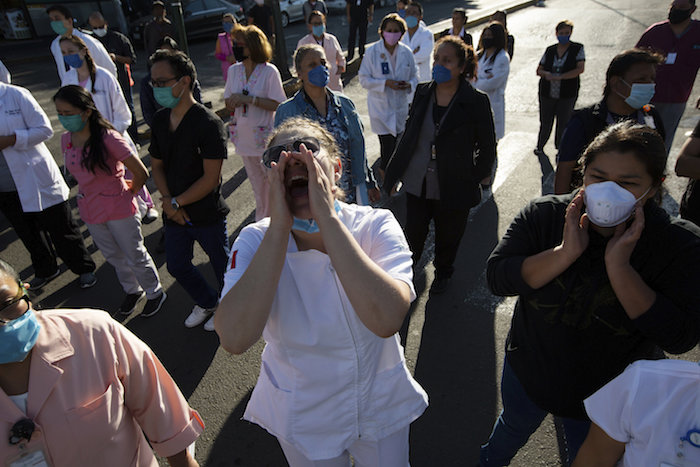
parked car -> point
(202, 18)
(291, 10)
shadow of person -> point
(456, 362)
(243, 443)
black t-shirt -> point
(261, 15)
(690, 204)
(118, 44)
(200, 135)
(359, 8)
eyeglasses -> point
(163, 82)
(23, 429)
(273, 153)
(11, 315)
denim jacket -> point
(298, 106)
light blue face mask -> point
(640, 94)
(18, 337)
(318, 29)
(411, 21)
(402, 13)
(310, 225)
(228, 27)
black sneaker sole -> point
(160, 305)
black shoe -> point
(153, 305)
(39, 282)
(539, 153)
(129, 304)
(439, 285)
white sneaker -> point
(198, 316)
(151, 215)
(209, 325)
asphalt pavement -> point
(454, 341)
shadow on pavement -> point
(457, 361)
(238, 436)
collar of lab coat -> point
(52, 345)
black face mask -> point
(676, 16)
(238, 53)
(487, 42)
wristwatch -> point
(174, 204)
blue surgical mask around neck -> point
(310, 225)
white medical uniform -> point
(423, 40)
(650, 407)
(492, 77)
(326, 380)
(97, 51)
(388, 108)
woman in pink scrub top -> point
(253, 92)
(96, 154)
(224, 44)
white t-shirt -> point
(650, 407)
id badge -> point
(29, 458)
(671, 58)
(385, 68)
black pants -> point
(550, 108)
(449, 228)
(41, 232)
(355, 24)
(387, 143)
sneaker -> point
(439, 285)
(87, 280)
(209, 325)
(39, 282)
(153, 305)
(129, 303)
(198, 316)
(151, 215)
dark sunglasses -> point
(273, 153)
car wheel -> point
(285, 19)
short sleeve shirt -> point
(200, 135)
(103, 195)
(557, 66)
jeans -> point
(518, 420)
(549, 109)
(179, 245)
(670, 113)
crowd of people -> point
(606, 279)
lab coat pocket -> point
(270, 405)
(392, 388)
(99, 418)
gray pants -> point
(671, 113)
(121, 243)
(550, 108)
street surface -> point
(455, 340)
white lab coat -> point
(492, 77)
(325, 378)
(35, 172)
(424, 41)
(5, 74)
(97, 51)
(388, 108)
(108, 98)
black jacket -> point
(466, 37)
(465, 145)
(572, 336)
(569, 87)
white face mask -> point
(608, 204)
(100, 32)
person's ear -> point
(338, 169)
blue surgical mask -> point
(640, 94)
(310, 225)
(58, 27)
(563, 39)
(402, 13)
(164, 96)
(72, 123)
(18, 337)
(411, 22)
(228, 27)
(318, 29)
(319, 76)
(441, 74)
(73, 60)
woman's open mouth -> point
(298, 186)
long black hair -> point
(499, 39)
(94, 151)
(92, 68)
